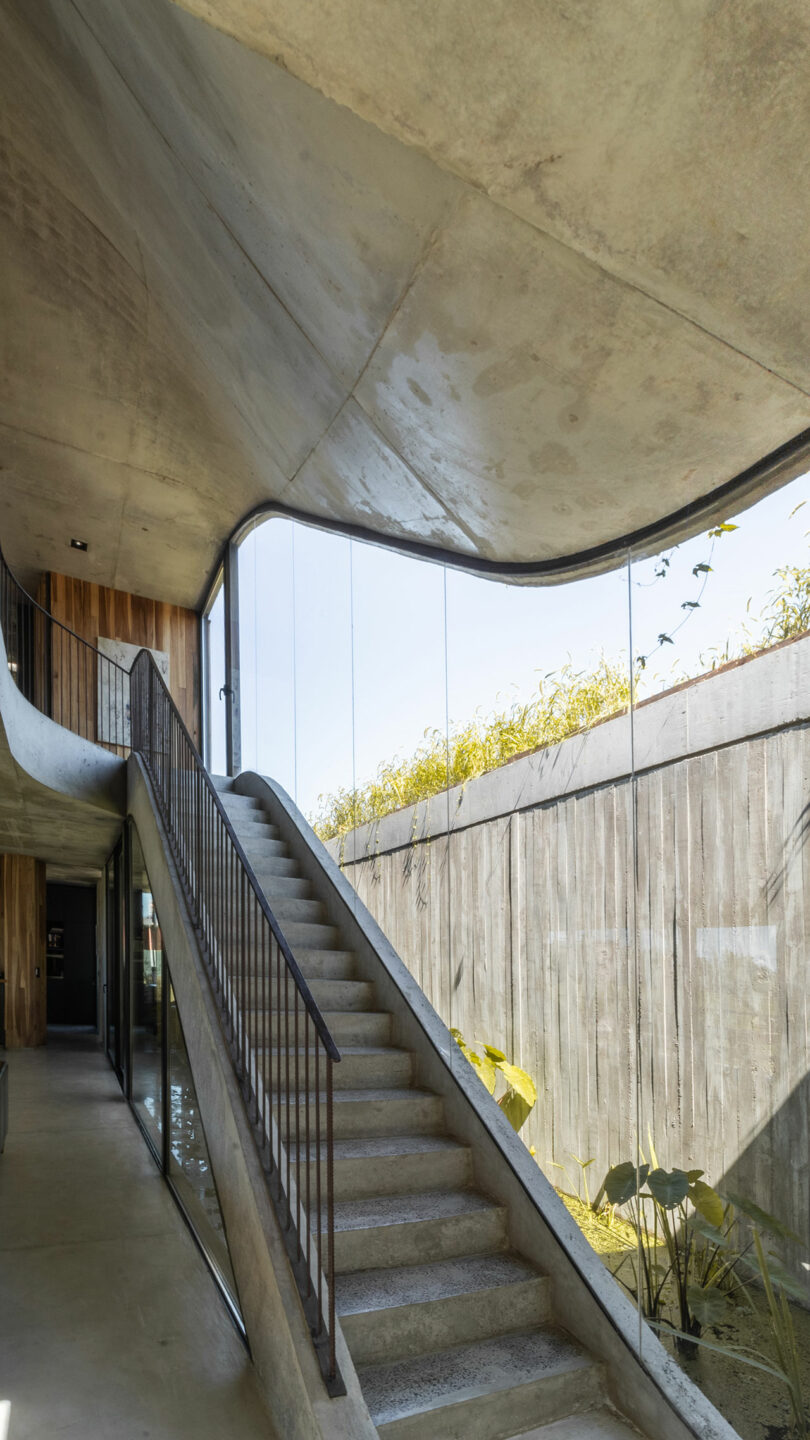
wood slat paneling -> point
(22, 948)
(93, 610)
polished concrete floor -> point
(110, 1325)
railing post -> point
(330, 1205)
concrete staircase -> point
(452, 1334)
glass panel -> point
(189, 1162)
(147, 996)
(267, 652)
(540, 853)
(214, 649)
(508, 895)
(723, 755)
(113, 964)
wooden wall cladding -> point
(93, 610)
(22, 948)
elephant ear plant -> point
(690, 1258)
(683, 1261)
(520, 1096)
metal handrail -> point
(63, 675)
(289, 1086)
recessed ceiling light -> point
(78, 544)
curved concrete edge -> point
(277, 1329)
(644, 1382)
(751, 485)
(54, 757)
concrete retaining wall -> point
(511, 901)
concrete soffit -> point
(514, 294)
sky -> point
(349, 652)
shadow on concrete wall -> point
(774, 1171)
(791, 851)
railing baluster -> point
(298, 1098)
(267, 1006)
(287, 1078)
(330, 1200)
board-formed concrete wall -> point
(511, 900)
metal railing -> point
(64, 676)
(281, 1047)
(282, 1050)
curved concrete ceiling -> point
(511, 282)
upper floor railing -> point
(63, 675)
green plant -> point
(520, 1096)
(777, 1286)
(566, 701)
(683, 1270)
(783, 1334)
(582, 1179)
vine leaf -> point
(665, 640)
(701, 569)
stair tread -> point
(375, 1146)
(593, 1425)
(344, 1050)
(381, 1210)
(349, 1097)
(304, 954)
(364, 1290)
(466, 1372)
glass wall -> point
(146, 1045)
(580, 813)
(371, 679)
(213, 643)
(148, 981)
(189, 1162)
(115, 948)
(722, 790)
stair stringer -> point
(277, 1330)
(643, 1381)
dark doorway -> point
(71, 955)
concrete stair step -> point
(259, 850)
(599, 1424)
(253, 826)
(240, 804)
(299, 932)
(296, 910)
(292, 887)
(395, 1314)
(360, 1067)
(347, 1027)
(222, 783)
(258, 995)
(273, 867)
(397, 1230)
(396, 1165)
(360, 1114)
(327, 964)
(313, 964)
(343, 995)
(482, 1391)
(359, 1027)
(309, 935)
